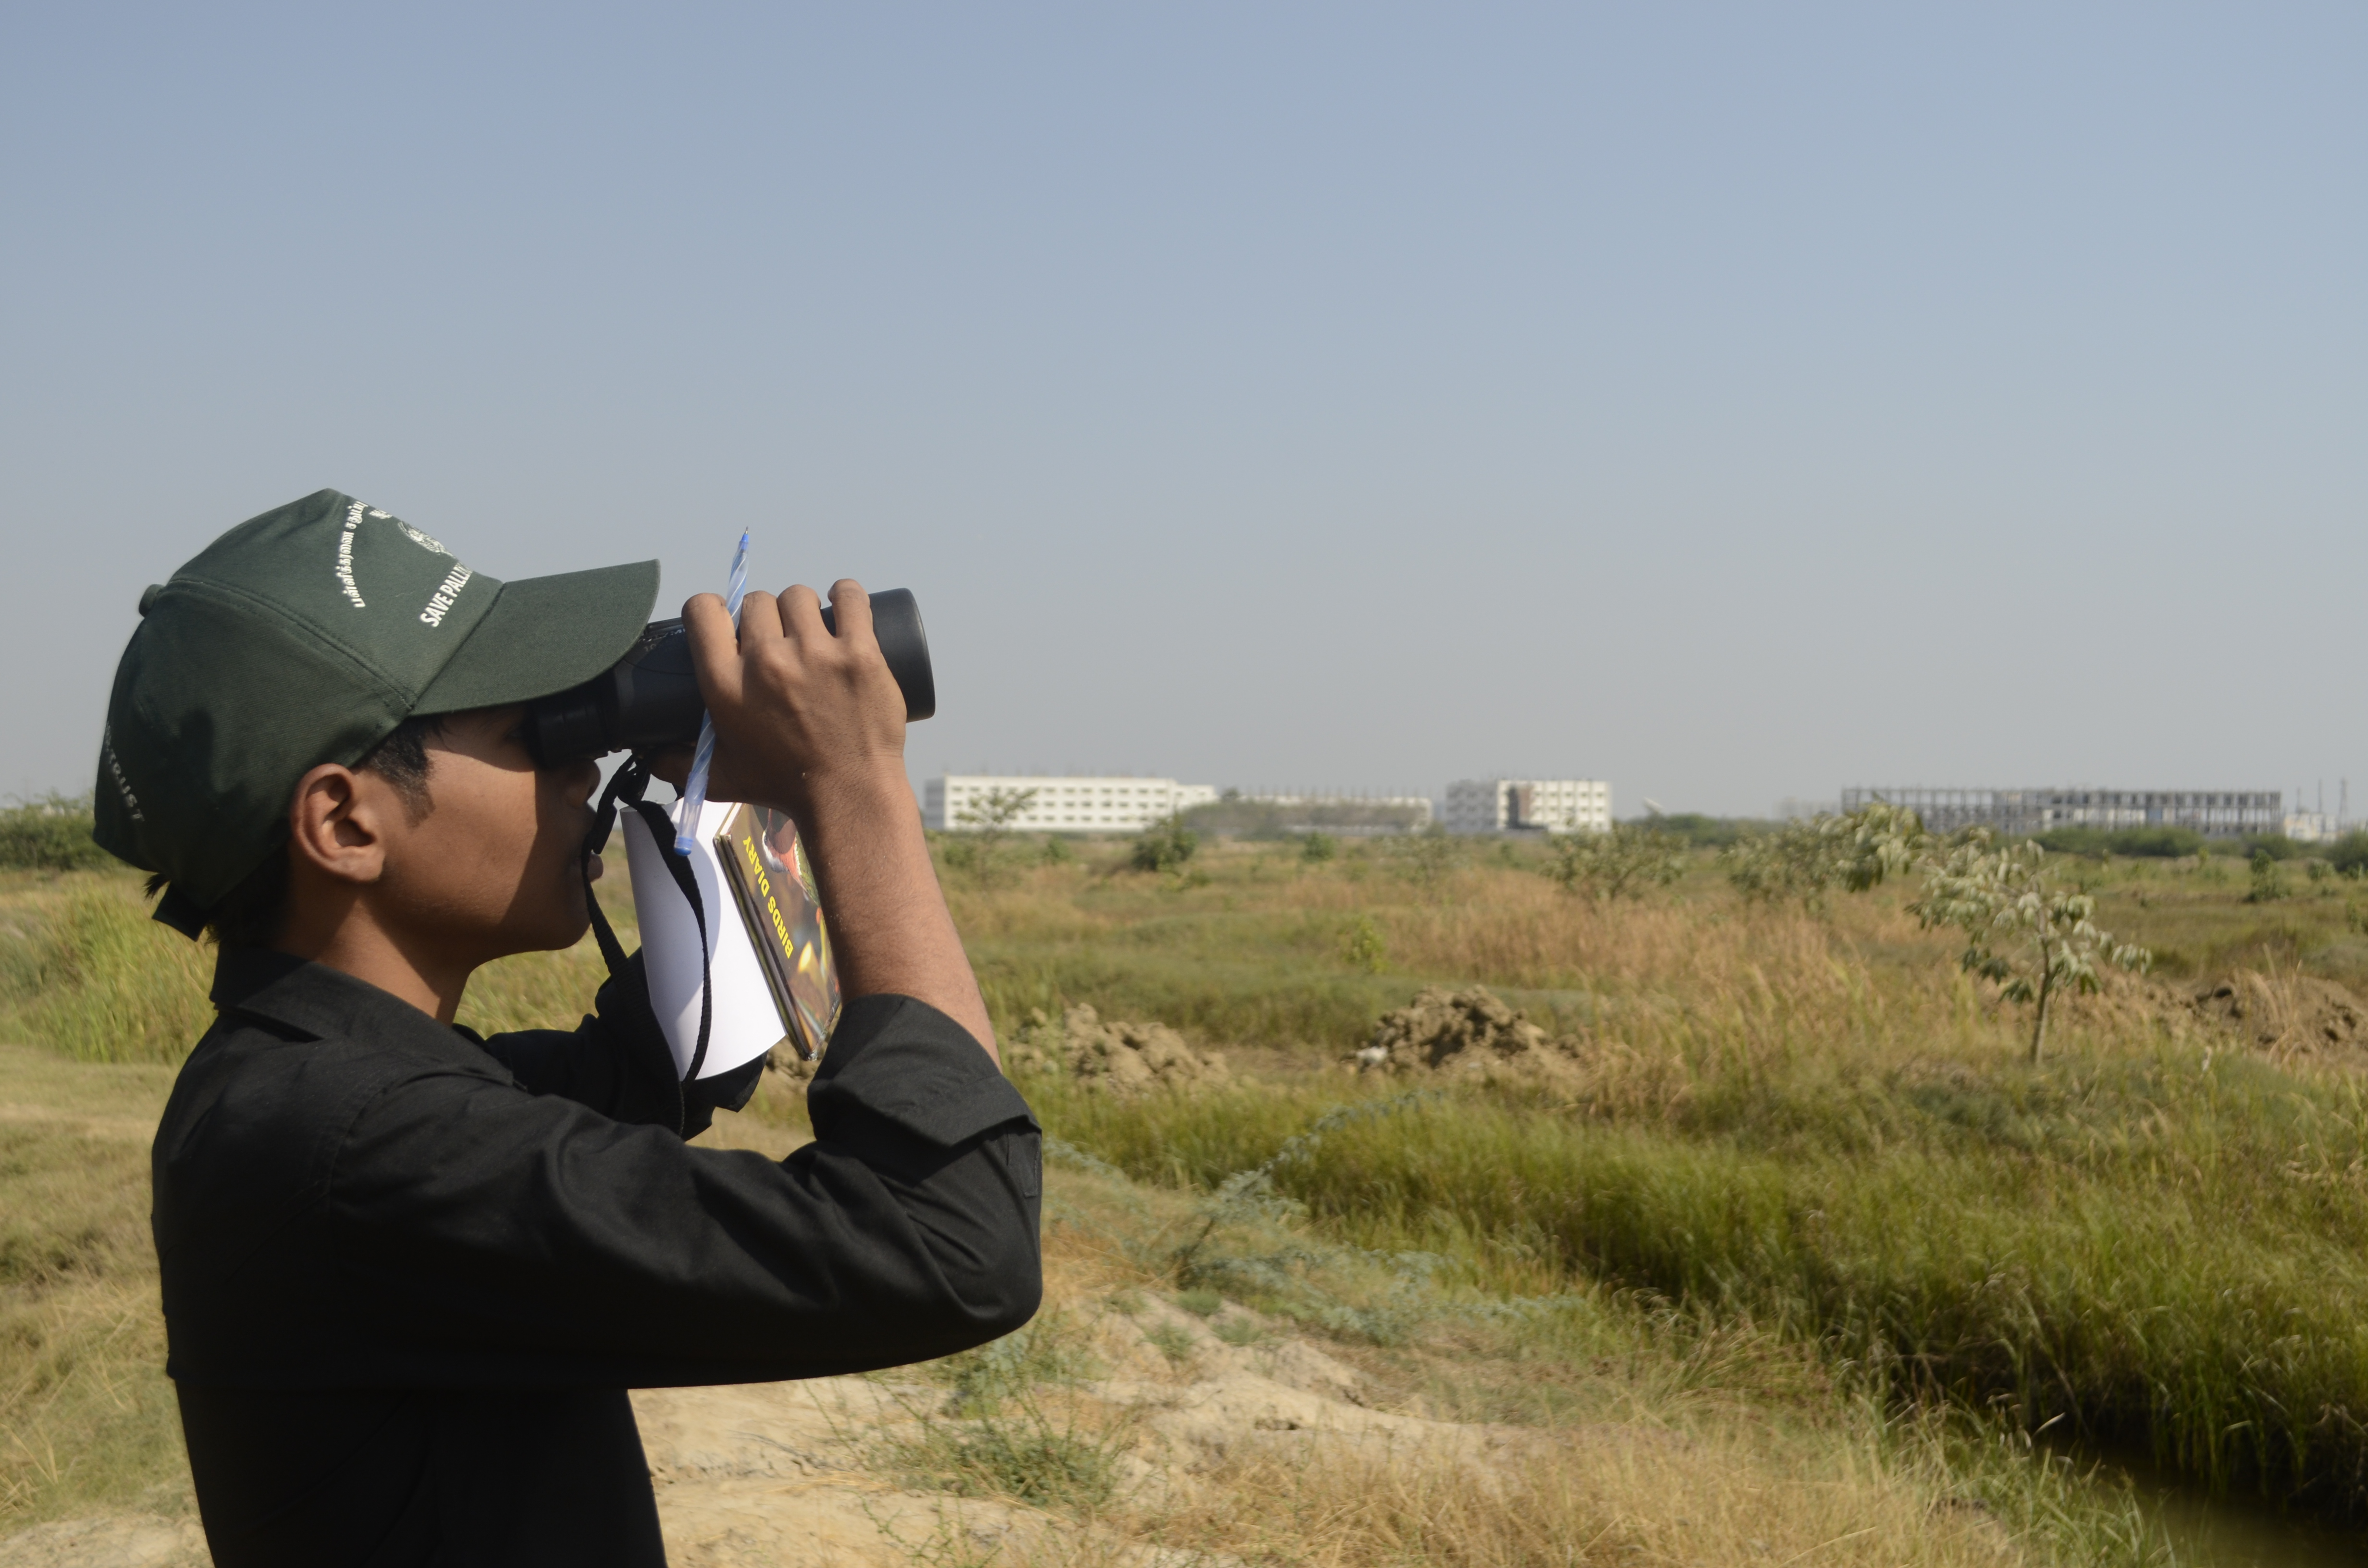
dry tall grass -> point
(1811, 1123)
(87, 1420)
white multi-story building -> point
(1335, 811)
(1515, 805)
(2312, 827)
(1116, 804)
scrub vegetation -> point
(1804, 1199)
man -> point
(409, 1273)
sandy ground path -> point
(822, 1472)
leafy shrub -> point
(1698, 832)
(2350, 854)
(985, 847)
(1165, 847)
(1363, 946)
(1802, 859)
(2094, 841)
(2156, 843)
(51, 833)
(2269, 879)
(1318, 847)
(2032, 936)
(2143, 843)
(1425, 858)
(1621, 863)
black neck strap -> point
(625, 790)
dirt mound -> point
(1468, 1034)
(2287, 1015)
(1124, 1058)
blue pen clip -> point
(694, 789)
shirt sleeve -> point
(487, 1236)
(618, 1063)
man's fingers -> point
(852, 607)
(760, 619)
(714, 651)
(801, 613)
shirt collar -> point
(320, 1001)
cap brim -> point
(545, 634)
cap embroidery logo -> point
(346, 554)
(446, 592)
(421, 539)
(115, 771)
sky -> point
(1734, 403)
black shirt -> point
(408, 1274)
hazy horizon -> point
(1733, 404)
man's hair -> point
(249, 916)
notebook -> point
(773, 887)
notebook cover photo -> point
(774, 887)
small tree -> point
(1803, 859)
(1621, 863)
(984, 848)
(1165, 847)
(2022, 930)
(1425, 858)
(1364, 946)
(2269, 879)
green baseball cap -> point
(306, 636)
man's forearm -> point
(890, 930)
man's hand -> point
(796, 709)
(814, 724)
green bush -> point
(2094, 841)
(51, 833)
(1165, 847)
(1696, 831)
(2350, 854)
(2157, 843)
(2269, 879)
(2146, 843)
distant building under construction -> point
(2214, 814)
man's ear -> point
(339, 822)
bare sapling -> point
(985, 848)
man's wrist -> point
(872, 796)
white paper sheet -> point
(746, 1024)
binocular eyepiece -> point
(649, 699)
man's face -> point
(492, 867)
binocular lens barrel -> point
(649, 699)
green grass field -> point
(1804, 1128)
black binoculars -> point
(649, 699)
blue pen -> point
(694, 789)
